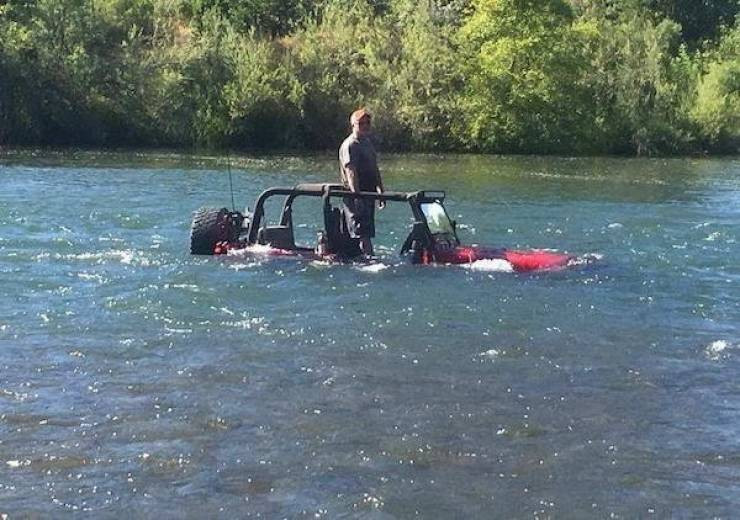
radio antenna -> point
(231, 181)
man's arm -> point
(349, 171)
(352, 178)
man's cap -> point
(358, 115)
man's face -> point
(362, 127)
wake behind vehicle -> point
(432, 239)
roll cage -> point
(338, 239)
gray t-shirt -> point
(360, 153)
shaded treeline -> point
(525, 76)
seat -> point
(337, 235)
(280, 237)
(333, 233)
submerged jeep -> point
(432, 239)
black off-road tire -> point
(210, 226)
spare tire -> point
(211, 226)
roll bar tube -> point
(335, 190)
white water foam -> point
(717, 349)
(321, 264)
(170, 331)
(713, 236)
(372, 268)
(17, 396)
(588, 258)
(187, 286)
(247, 323)
(470, 229)
(17, 463)
(256, 249)
(242, 266)
(498, 265)
(125, 256)
(92, 277)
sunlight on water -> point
(718, 349)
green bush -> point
(717, 107)
(541, 76)
(264, 95)
(268, 17)
(420, 82)
(524, 70)
(635, 72)
(333, 55)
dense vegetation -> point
(527, 76)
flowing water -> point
(136, 379)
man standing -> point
(358, 167)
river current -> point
(137, 380)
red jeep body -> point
(432, 240)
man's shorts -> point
(359, 215)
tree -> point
(524, 72)
(271, 17)
(699, 19)
(333, 54)
(717, 105)
(640, 76)
(421, 79)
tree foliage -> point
(524, 73)
(631, 71)
(716, 110)
(699, 20)
(272, 17)
(547, 76)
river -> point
(138, 380)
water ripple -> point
(136, 377)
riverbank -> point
(564, 78)
(288, 160)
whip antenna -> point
(231, 181)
